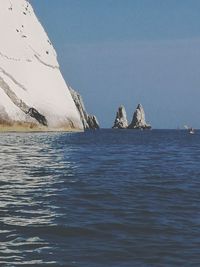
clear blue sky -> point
(129, 51)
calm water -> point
(107, 198)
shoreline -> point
(28, 128)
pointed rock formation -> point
(138, 121)
(92, 122)
(33, 93)
(88, 121)
(120, 120)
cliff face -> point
(138, 121)
(88, 121)
(120, 120)
(33, 93)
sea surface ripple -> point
(108, 198)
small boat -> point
(190, 129)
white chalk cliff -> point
(33, 93)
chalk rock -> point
(33, 93)
(88, 121)
(120, 120)
(138, 121)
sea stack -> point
(121, 119)
(33, 93)
(138, 121)
(88, 121)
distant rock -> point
(120, 120)
(138, 121)
(88, 121)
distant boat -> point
(190, 129)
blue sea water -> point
(108, 198)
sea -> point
(106, 198)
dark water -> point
(100, 199)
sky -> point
(127, 52)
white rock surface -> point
(29, 73)
(121, 119)
(138, 121)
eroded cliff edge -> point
(89, 121)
